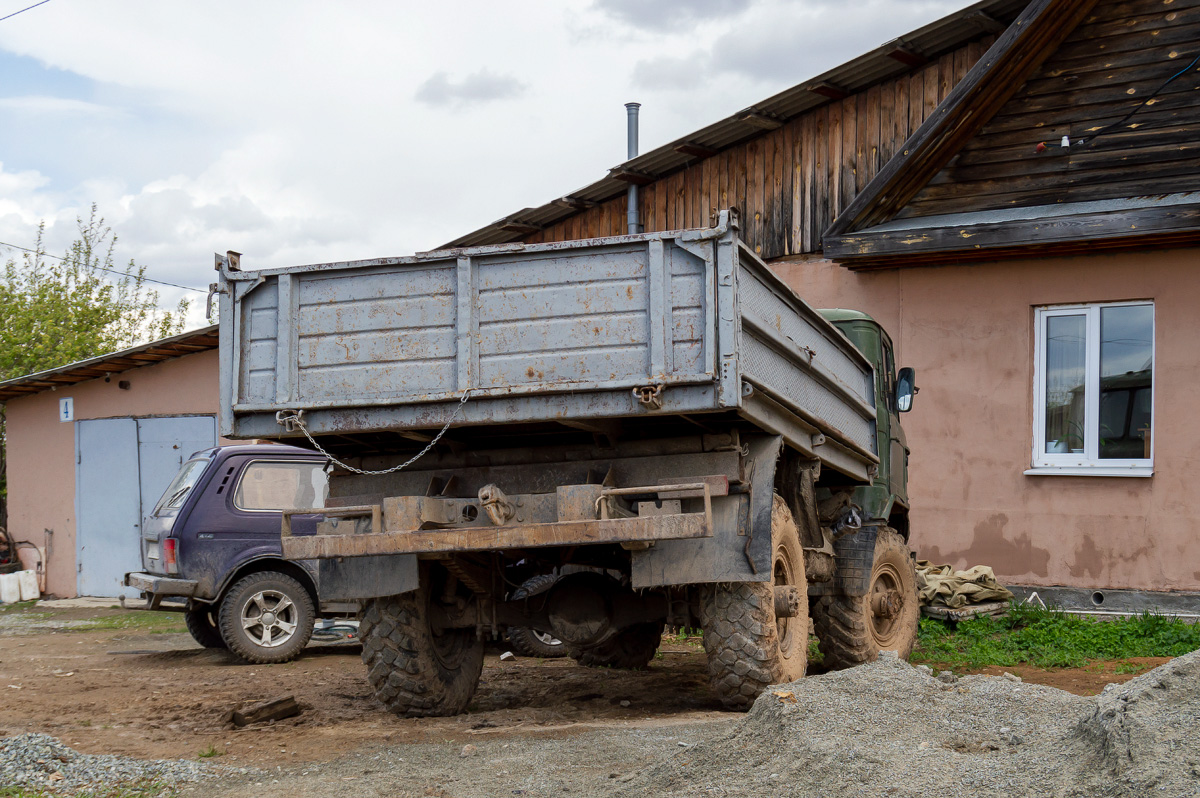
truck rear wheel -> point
(748, 646)
(414, 669)
(630, 648)
(267, 617)
(854, 629)
(202, 625)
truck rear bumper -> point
(161, 585)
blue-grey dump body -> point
(570, 331)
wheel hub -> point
(887, 604)
(269, 618)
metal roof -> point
(144, 355)
(895, 58)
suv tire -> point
(267, 617)
(202, 624)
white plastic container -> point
(10, 589)
(27, 582)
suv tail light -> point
(171, 555)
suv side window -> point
(275, 486)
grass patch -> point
(16, 606)
(210, 752)
(1050, 638)
(152, 622)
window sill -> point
(1089, 471)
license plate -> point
(152, 551)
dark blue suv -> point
(213, 541)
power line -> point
(102, 268)
(23, 10)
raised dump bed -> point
(679, 324)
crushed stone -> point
(41, 762)
(888, 729)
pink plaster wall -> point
(41, 449)
(969, 332)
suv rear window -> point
(181, 486)
(281, 486)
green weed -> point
(210, 752)
(1049, 638)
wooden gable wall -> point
(1109, 66)
(789, 183)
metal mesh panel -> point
(769, 367)
(758, 300)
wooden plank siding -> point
(1110, 66)
(789, 183)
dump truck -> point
(655, 420)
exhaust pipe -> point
(632, 217)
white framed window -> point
(1094, 390)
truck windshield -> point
(181, 486)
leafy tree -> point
(55, 311)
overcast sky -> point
(302, 132)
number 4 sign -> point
(66, 409)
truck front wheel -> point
(630, 648)
(267, 617)
(414, 669)
(854, 629)
(749, 646)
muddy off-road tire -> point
(267, 617)
(854, 629)
(202, 625)
(748, 647)
(631, 648)
(414, 671)
(529, 642)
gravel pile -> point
(42, 762)
(889, 729)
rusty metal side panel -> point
(567, 533)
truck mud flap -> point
(739, 549)
(354, 578)
(855, 555)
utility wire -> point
(1144, 103)
(23, 10)
(101, 268)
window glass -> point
(181, 486)
(1066, 370)
(282, 486)
(1095, 388)
(1126, 366)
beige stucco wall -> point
(41, 449)
(969, 332)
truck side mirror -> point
(906, 389)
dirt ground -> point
(153, 694)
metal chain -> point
(298, 422)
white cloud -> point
(296, 131)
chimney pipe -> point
(632, 217)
